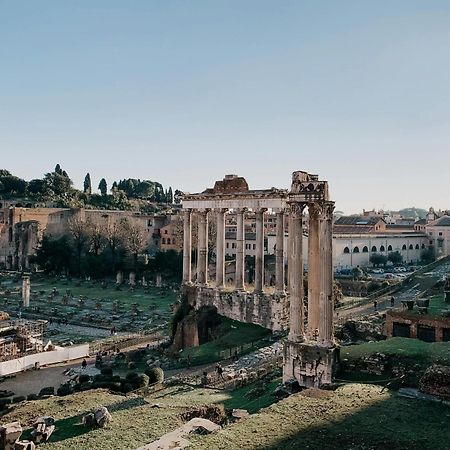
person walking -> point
(375, 305)
(83, 364)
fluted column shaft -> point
(187, 246)
(240, 252)
(220, 249)
(296, 292)
(326, 337)
(259, 255)
(314, 269)
(279, 253)
(202, 262)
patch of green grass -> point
(422, 352)
(232, 335)
(352, 417)
(239, 398)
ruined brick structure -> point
(310, 354)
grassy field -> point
(154, 304)
(352, 417)
(419, 351)
(232, 335)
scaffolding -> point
(21, 337)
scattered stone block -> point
(9, 434)
(25, 445)
(102, 416)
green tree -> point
(13, 185)
(5, 173)
(170, 195)
(395, 258)
(377, 259)
(87, 186)
(103, 187)
(58, 169)
(59, 184)
(53, 255)
(428, 255)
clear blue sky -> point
(185, 91)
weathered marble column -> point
(295, 271)
(26, 292)
(279, 253)
(202, 262)
(187, 246)
(326, 301)
(220, 249)
(259, 256)
(314, 269)
(240, 249)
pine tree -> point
(87, 184)
(114, 187)
(58, 169)
(170, 195)
(103, 187)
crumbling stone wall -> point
(270, 311)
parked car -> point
(378, 270)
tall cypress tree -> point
(87, 184)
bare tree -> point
(135, 239)
(96, 236)
(114, 235)
(79, 234)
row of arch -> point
(365, 249)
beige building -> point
(21, 229)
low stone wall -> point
(270, 311)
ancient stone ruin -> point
(310, 354)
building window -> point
(417, 247)
(165, 231)
(382, 249)
(440, 243)
(356, 250)
(254, 246)
(163, 240)
(411, 247)
(404, 247)
(431, 242)
(168, 240)
(440, 233)
(228, 245)
(390, 248)
(365, 249)
(374, 249)
(423, 246)
(346, 250)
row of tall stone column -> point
(202, 246)
(319, 325)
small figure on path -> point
(392, 301)
(84, 364)
(375, 304)
(219, 371)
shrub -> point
(127, 387)
(18, 399)
(140, 381)
(84, 378)
(50, 390)
(32, 397)
(64, 389)
(4, 402)
(107, 370)
(131, 365)
(155, 375)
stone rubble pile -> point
(43, 428)
(436, 381)
(10, 438)
(100, 417)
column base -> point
(310, 364)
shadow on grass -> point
(393, 424)
(73, 427)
